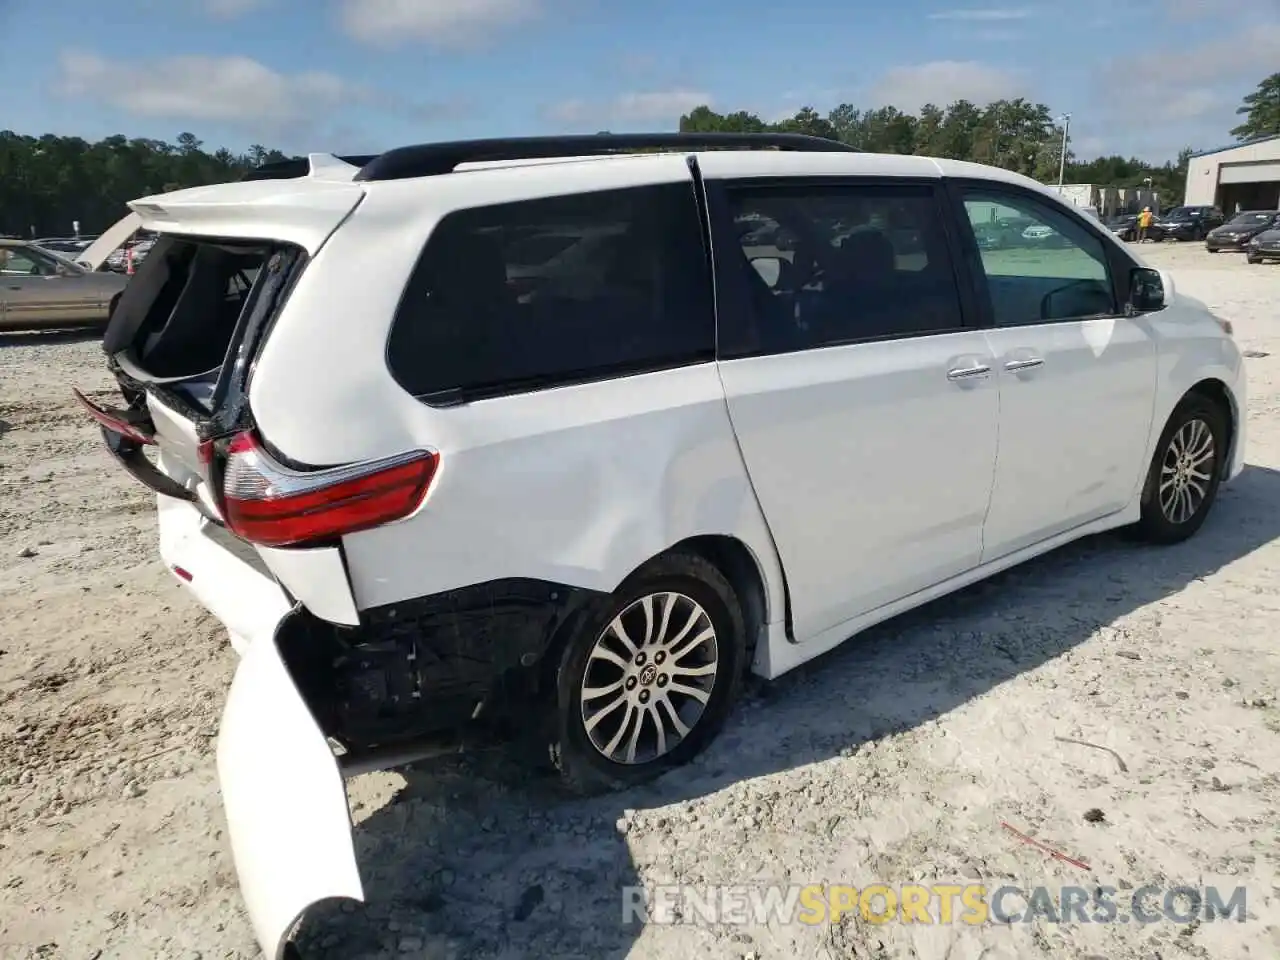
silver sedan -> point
(39, 288)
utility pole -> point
(1062, 161)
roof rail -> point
(432, 159)
(296, 167)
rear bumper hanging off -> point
(284, 797)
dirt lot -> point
(896, 758)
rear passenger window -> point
(833, 265)
(1041, 265)
(544, 292)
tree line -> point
(1016, 135)
(47, 183)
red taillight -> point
(115, 420)
(267, 503)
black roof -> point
(432, 159)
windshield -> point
(1180, 213)
(1251, 217)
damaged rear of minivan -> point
(254, 536)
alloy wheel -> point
(1187, 470)
(649, 678)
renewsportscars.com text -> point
(971, 904)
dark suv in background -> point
(1187, 223)
(1236, 233)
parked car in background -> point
(580, 511)
(1124, 226)
(38, 288)
(1265, 246)
(1236, 233)
(1186, 223)
(69, 247)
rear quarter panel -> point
(576, 485)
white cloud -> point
(236, 91)
(1203, 80)
(1164, 99)
(664, 106)
(944, 81)
(230, 9)
(445, 23)
(983, 15)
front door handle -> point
(1026, 364)
(968, 373)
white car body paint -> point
(860, 479)
(254, 209)
(284, 799)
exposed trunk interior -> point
(180, 315)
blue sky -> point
(1139, 77)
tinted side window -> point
(828, 265)
(543, 292)
(1040, 264)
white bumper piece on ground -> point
(285, 800)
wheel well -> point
(731, 557)
(1216, 392)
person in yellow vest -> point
(1144, 223)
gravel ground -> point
(895, 758)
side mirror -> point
(1146, 290)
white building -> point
(1243, 177)
(1107, 201)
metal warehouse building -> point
(1243, 177)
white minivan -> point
(556, 437)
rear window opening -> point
(189, 305)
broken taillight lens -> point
(267, 503)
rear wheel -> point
(649, 680)
(1182, 481)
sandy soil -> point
(896, 758)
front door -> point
(1077, 378)
(864, 405)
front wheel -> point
(1182, 481)
(1252, 259)
(647, 682)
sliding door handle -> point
(1026, 364)
(968, 373)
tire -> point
(671, 584)
(1163, 520)
(1253, 259)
